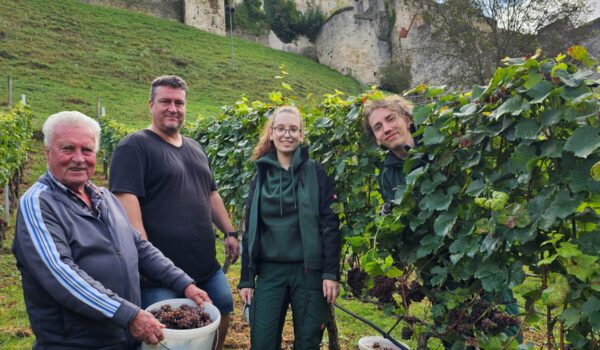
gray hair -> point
(72, 118)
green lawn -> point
(64, 54)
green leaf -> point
(595, 171)
(466, 110)
(594, 318)
(421, 113)
(527, 129)
(582, 267)
(521, 157)
(575, 95)
(581, 110)
(583, 141)
(571, 317)
(540, 92)
(492, 278)
(563, 204)
(475, 188)
(373, 269)
(513, 106)
(439, 275)
(431, 136)
(568, 250)
(551, 148)
(551, 117)
(444, 222)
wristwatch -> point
(231, 234)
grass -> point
(65, 54)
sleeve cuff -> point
(125, 313)
(245, 284)
(329, 276)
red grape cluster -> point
(356, 280)
(183, 317)
(412, 290)
(383, 289)
(485, 317)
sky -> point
(595, 9)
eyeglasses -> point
(280, 131)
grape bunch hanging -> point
(183, 317)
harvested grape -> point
(183, 317)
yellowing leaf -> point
(595, 171)
(560, 57)
(286, 86)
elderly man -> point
(78, 254)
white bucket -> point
(187, 339)
(366, 343)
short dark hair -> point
(393, 103)
(171, 81)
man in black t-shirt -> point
(164, 181)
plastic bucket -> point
(187, 339)
(366, 343)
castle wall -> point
(208, 15)
(351, 45)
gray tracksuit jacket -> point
(79, 267)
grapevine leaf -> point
(575, 95)
(513, 106)
(443, 223)
(492, 278)
(520, 158)
(563, 204)
(421, 113)
(591, 305)
(551, 148)
(527, 129)
(594, 318)
(551, 117)
(540, 92)
(581, 110)
(568, 250)
(431, 136)
(439, 275)
(595, 171)
(582, 266)
(583, 141)
(571, 316)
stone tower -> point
(208, 15)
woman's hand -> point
(246, 295)
(331, 289)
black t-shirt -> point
(173, 185)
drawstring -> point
(294, 188)
(280, 194)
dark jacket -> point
(319, 225)
(391, 175)
(80, 270)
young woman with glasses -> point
(291, 248)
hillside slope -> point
(63, 54)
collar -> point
(92, 190)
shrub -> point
(395, 77)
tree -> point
(476, 34)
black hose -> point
(385, 334)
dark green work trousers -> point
(277, 286)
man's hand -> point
(197, 295)
(144, 327)
(246, 295)
(232, 249)
(331, 289)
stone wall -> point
(208, 15)
(169, 9)
(351, 43)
